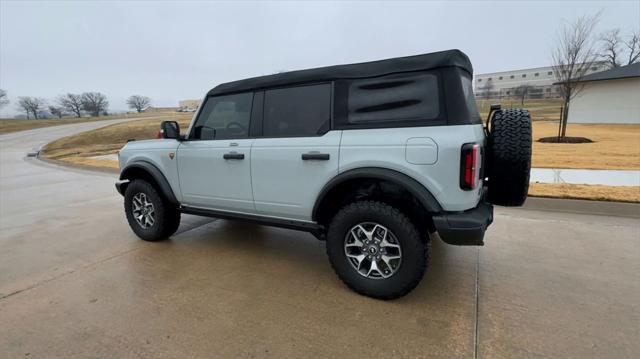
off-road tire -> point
(509, 157)
(167, 217)
(415, 250)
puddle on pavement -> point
(575, 176)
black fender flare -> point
(163, 185)
(414, 187)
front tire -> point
(376, 250)
(149, 215)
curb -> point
(76, 166)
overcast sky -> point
(178, 50)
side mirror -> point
(170, 130)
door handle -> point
(315, 156)
(233, 156)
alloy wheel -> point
(373, 250)
(143, 210)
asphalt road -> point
(76, 283)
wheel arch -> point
(149, 172)
(345, 180)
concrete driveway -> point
(76, 283)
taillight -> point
(469, 166)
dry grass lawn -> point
(583, 191)
(14, 125)
(110, 139)
(614, 147)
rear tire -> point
(149, 215)
(369, 221)
(509, 157)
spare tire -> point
(508, 160)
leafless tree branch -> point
(138, 102)
(4, 100)
(71, 103)
(611, 51)
(31, 105)
(572, 57)
(94, 103)
(633, 46)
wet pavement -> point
(76, 283)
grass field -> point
(79, 148)
(13, 125)
(614, 147)
(583, 191)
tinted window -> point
(394, 98)
(300, 111)
(467, 89)
(224, 117)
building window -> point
(511, 76)
(594, 68)
(508, 93)
(479, 80)
(550, 73)
(489, 79)
(500, 78)
(548, 90)
(524, 75)
(536, 74)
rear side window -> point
(394, 98)
(300, 111)
(467, 89)
(224, 117)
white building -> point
(611, 96)
(504, 84)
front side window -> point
(301, 111)
(224, 117)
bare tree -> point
(4, 100)
(572, 57)
(487, 88)
(31, 105)
(633, 47)
(56, 111)
(614, 48)
(522, 91)
(71, 103)
(138, 102)
(610, 51)
(94, 103)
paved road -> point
(76, 283)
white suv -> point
(370, 157)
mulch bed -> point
(566, 139)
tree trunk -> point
(560, 122)
(564, 120)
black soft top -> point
(433, 60)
